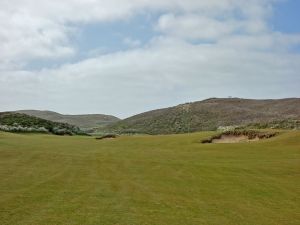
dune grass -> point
(148, 180)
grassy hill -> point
(209, 115)
(149, 180)
(82, 121)
(18, 122)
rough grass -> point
(145, 180)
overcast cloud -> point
(198, 49)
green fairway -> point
(148, 180)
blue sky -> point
(109, 37)
(102, 38)
(125, 57)
(286, 17)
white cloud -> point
(32, 29)
(165, 73)
(24, 37)
(194, 26)
(246, 58)
(273, 41)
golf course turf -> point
(148, 180)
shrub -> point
(16, 122)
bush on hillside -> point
(17, 122)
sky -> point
(123, 57)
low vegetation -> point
(288, 124)
(21, 123)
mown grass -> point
(148, 180)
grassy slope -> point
(208, 115)
(82, 121)
(161, 180)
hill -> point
(82, 121)
(17, 122)
(209, 115)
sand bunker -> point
(238, 136)
(233, 139)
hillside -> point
(209, 115)
(17, 122)
(82, 121)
